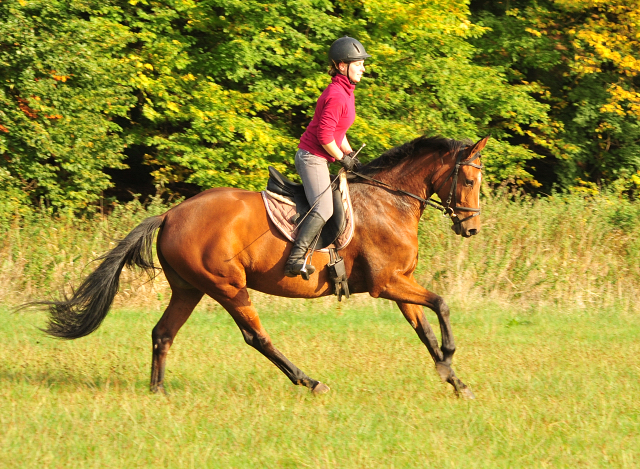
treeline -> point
(193, 94)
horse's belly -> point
(267, 276)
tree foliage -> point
(213, 91)
(585, 56)
(63, 88)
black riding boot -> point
(311, 226)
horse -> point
(221, 243)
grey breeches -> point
(314, 172)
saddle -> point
(291, 194)
(286, 205)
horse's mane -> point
(412, 149)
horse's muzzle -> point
(460, 229)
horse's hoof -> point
(159, 390)
(320, 388)
(466, 393)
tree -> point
(63, 87)
(213, 91)
(585, 55)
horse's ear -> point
(478, 147)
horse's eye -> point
(469, 183)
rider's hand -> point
(350, 162)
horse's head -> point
(459, 188)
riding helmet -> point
(347, 49)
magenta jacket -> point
(335, 112)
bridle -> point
(449, 207)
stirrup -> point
(300, 269)
(306, 271)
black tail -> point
(83, 313)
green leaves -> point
(584, 56)
(213, 91)
(424, 80)
(61, 90)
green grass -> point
(554, 387)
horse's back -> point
(217, 230)
(212, 219)
(215, 205)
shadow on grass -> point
(66, 380)
(72, 381)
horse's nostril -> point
(472, 232)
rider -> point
(324, 142)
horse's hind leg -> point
(246, 317)
(182, 303)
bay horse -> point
(221, 243)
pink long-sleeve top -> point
(334, 114)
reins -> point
(432, 203)
(446, 208)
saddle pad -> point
(282, 210)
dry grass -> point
(566, 251)
(40, 255)
(563, 251)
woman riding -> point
(325, 141)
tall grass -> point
(563, 250)
(41, 254)
(559, 250)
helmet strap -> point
(348, 77)
(348, 69)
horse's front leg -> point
(415, 316)
(410, 297)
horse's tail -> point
(83, 313)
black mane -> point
(414, 148)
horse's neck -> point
(412, 175)
(409, 176)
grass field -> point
(545, 312)
(555, 388)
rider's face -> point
(355, 71)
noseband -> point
(446, 208)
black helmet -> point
(347, 49)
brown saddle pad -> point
(282, 211)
